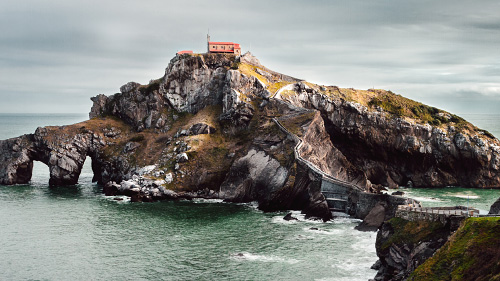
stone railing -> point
(312, 166)
(434, 214)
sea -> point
(77, 233)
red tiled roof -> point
(222, 43)
(221, 51)
(185, 52)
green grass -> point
(154, 85)
(403, 107)
(274, 87)
(409, 232)
(250, 70)
(472, 253)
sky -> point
(56, 54)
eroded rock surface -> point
(393, 151)
(404, 245)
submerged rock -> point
(289, 217)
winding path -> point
(334, 190)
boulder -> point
(289, 217)
(169, 178)
(111, 188)
(374, 219)
(181, 158)
(201, 128)
(495, 208)
(130, 146)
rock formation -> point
(393, 150)
(495, 208)
(458, 248)
(471, 253)
(404, 245)
(208, 128)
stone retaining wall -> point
(440, 214)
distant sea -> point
(489, 122)
(77, 233)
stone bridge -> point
(345, 197)
(335, 191)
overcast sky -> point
(56, 54)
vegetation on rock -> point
(472, 253)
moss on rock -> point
(472, 253)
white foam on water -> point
(121, 198)
(465, 196)
(254, 205)
(426, 199)
(245, 256)
(323, 231)
(300, 218)
(203, 200)
(355, 268)
(342, 279)
(365, 242)
(345, 220)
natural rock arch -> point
(64, 156)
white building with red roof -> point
(223, 47)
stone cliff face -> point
(455, 249)
(404, 245)
(63, 154)
(208, 128)
(395, 151)
(471, 253)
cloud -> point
(57, 54)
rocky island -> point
(222, 126)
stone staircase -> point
(334, 190)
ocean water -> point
(76, 233)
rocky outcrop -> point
(190, 84)
(393, 151)
(495, 208)
(375, 218)
(137, 105)
(404, 245)
(370, 207)
(471, 253)
(318, 149)
(64, 155)
(254, 175)
(15, 161)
